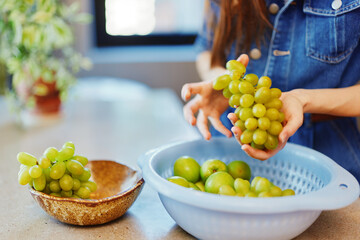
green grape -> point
(90, 184)
(251, 78)
(288, 192)
(227, 190)
(35, 171)
(83, 192)
(24, 176)
(69, 144)
(240, 124)
(262, 185)
(31, 183)
(236, 65)
(275, 191)
(246, 100)
(74, 167)
(265, 194)
(251, 123)
(22, 166)
(281, 117)
(75, 196)
(26, 159)
(275, 92)
(83, 160)
(259, 136)
(272, 114)
(66, 194)
(275, 128)
(55, 186)
(235, 75)
(242, 186)
(234, 100)
(40, 183)
(257, 146)
(245, 113)
(250, 194)
(84, 176)
(237, 111)
(55, 194)
(247, 136)
(65, 154)
(264, 81)
(264, 123)
(57, 170)
(271, 142)
(262, 95)
(259, 110)
(240, 195)
(254, 182)
(47, 189)
(66, 182)
(274, 103)
(221, 82)
(46, 172)
(51, 153)
(234, 86)
(227, 93)
(246, 87)
(44, 162)
(77, 184)
(67, 170)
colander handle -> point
(342, 191)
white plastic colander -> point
(319, 184)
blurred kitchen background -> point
(150, 41)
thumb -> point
(244, 59)
(289, 129)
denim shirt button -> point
(255, 53)
(336, 4)
(273, 8)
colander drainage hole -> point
(343, 186)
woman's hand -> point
(293, 108)
(208, 103)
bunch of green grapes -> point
(257, 105)
(58, 172)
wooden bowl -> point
(118, 188)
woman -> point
(310, 50)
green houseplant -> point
(36, 46)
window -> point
(147, 22)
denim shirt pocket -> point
(331, 35)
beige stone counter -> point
(116, 121)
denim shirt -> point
(311, 46)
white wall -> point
(158, 67)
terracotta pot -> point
(49, 103)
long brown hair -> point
(243, 21)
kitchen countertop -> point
(115, 120)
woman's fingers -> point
(217, 124)
(190, 89)
(232, 117)
(202, 124)
(244, 59)
(292, 125)
(237, 133)
(255, 153)
(262, 154)
(190, 109)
